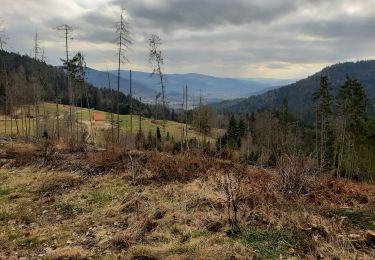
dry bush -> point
(51, 183)
(296, 174)
(135, 202)
(230, 180)
(22, 153)
(321, 238)
(181, 167)
(168, 147)
(331, 192)
(264, 158)
(140, 220)
(108, 158)
(134, 166)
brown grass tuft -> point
(68, 253)
(57, 182)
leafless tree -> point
(3, 36)
(4, 73)
(36, 87)
(186, 118)
(140, 116)
(131, 102)
(157, 96)
(156, 58)
(124, 40)
(68, 30)
(111, 106)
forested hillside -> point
(212, 89)
(28, 76)
(299, 94)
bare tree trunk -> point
(140, 116)
(111, 106)
(58, 118)
(69, 82)
(156, 108)
(29, 119)
(88, 107)
(131, 104)
(37, 121)
(23, 118)
(11, 123)
(186, 118)
(321, 142)
(6, 97)
(316, 135)
(16, 121)
(118, 85)
(163, 99)
(182, 119)
(81, 101)
(341, 155)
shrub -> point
(296, 174)
(57, 182)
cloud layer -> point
(239, 38)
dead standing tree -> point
(131, 103)
(111, 105)
(3, 36)
(5, 73)
(124, 41)
(36, 87)
(68, 30)
(157, 59)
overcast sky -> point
(231, 38)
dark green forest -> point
(299, 94)
(25, 71)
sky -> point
(226, 38)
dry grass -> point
(174, 209)
(56, 182)
(68, 253)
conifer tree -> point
(351, 103)
(323, 100)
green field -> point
(173, 128)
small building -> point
(98, 118)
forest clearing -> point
(165, 129)
(138, 205)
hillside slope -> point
(299, 94)
(23, 71)
(213, 89)
(100, 79)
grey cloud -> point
(207, 14)
(208, 36)
(342, 27)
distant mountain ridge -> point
(213, 89)
(299, 94)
